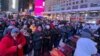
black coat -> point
(29, 46)
(37, 41)
(98, 39)
(2, 27)
(46, 40)
(55, 33)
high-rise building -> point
(24, 4)
(4, 5)
(78, 7)
(13, 5)
(9, 5)
(0, 5)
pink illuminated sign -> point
(39, 8)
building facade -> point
(75, 8)
(23, 5)
(0, 5)
(9, 5)
(4, 5)
(13, 6)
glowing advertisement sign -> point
(39, 7)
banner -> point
(39, 7)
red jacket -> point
(2, 49)
(11, 45)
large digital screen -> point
(39, 7)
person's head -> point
(47, 27)
(86, 33)
(39, 28)
(15, 32)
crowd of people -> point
(19, 37)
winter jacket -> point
(37, 41)
(11, 45)
(85, 47)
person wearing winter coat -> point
(64, 32)
(28, 47)
(46, 40)
(85, 45)
(1, 34)
(98, 39)
(13, 43)
(37, 41)
(2, 27)
(8, 29)
(55, 38)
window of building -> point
(82, 1)
(77, 2)
(84, 6)
(85, 0)
(62, 8)
(69, 3)
(49, 10)
(75, 7)
(64, 1)
(66, 4)
(73, 3)
(94, 5)
(68, 8)
(69, 0)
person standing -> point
(13, 43)
(46, 40)
(37, 41)
(28, 47)
(98, 39)
(85, 45)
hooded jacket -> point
(10, 45)
(85, 46)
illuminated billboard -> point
(39, 7)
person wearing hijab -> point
(85, 45)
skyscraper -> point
(0, 5)
(23, 4)
(4, 5)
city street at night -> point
(49, 27)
